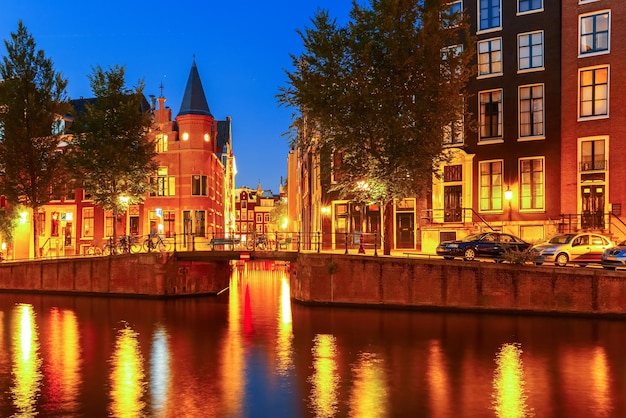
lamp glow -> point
(508, 195)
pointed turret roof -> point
(194, 100)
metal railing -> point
(454, 215)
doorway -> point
(592, 209)
(405, 234)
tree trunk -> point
(35, 233)
(388, 227)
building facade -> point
(539, 152)
(193, 198)
(593, 114)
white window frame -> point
(531, 48)
(594, 116)
(582, 54)
(489, 54)
(533, 185)
(531, 112)
(492, 208)
(493, 28)
(539, 9)
(500, 136)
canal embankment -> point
(137, 275)
(436, 284)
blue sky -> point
(241, 49)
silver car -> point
(581, 249)
(614, 257)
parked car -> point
(581, 249)
(615, 256)
(485, 245)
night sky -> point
(241, 49)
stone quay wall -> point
(421, 283)
(149, 275)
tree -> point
(111, 153)
(377, 95)
(33, 99)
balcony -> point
(595, 165)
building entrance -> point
(592, 209)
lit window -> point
(490, 57)
(489, 14)
(594, 33)
(491, 114)
(594, 92)
(592, 155)
(491, 185)
(524, 6)
(161, 143)
(530, 48)
(88, 222)
(531, 184)
(165, 185)
(531, 111)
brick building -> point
(194, 187)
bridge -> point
(199, 255)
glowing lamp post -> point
(508, 196)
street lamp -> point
(508, 196)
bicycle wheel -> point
(148, 245)
(108, 249)
(135, 247)
(162, 246)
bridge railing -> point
(347, 242)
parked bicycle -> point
(125, 245)
(93, 250)
(155, 243)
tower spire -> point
(194, 99)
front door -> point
(592, 206)
(404, 230)
(452, 203)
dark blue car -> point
(485, 245)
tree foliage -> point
(33, 101)
(378, 94)
(111, 152)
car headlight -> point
(453, 246)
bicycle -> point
(159, 245)
(125, 245)
(93, 250)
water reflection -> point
(369, 391)
(438, 382)
(26, 361)
(509, 384)
(233, 364)
(251, 352)
(127, 375)
(325, 378)
(63, 377)
(284, 340)
(160, 371)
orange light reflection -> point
(369, 393)
(509, 397)
(325, 379)
(127, 375)
(64, 360)
(284, 347)
(26, 361)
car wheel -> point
(561, 260)
(609, 267)
(538, 264)
(448, 258)
(469, 254)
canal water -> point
(250, 352)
